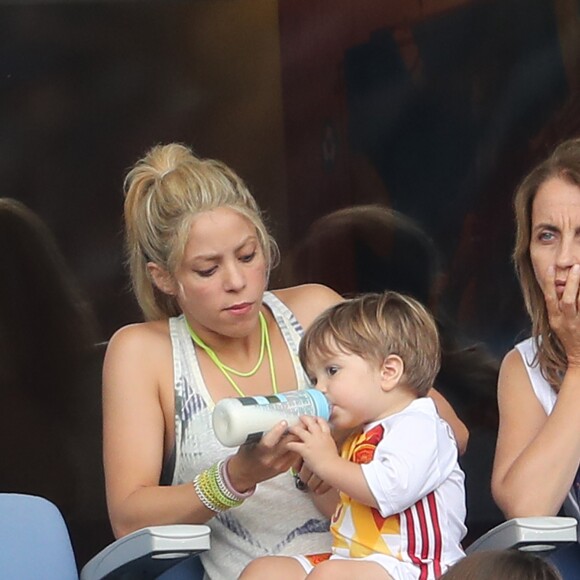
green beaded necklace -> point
(226, 370)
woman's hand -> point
(564, 312)
(257, 462)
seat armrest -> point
(531, 533)
(148, 552)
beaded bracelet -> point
(233, 492)
(215, 489)
(209, 487)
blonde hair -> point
(374, 326)
(564, 163)
(163, 192)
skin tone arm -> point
(531, 445)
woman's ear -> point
(392, 370)
(162, 279)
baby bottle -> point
(238, 420)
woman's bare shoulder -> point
(308, 300)
(514, 385)
(140, 336)
(512, 364)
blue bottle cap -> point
(323, 407)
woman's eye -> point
(546, 236)
(248, 257)
(205, 273)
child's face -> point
(353, 386)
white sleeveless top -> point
(542, 389)
(547, 398)
(278, 518)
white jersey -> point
(410, 463)
(542, 389)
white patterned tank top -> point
(277, 519)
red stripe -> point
(436, 533)
(423, 527)
(411, 536)
(411, 544)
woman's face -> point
(555, 231)
(222, 277)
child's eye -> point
(331, 370)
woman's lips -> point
(240, 309)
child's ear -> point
(162, 279)
(392, 371)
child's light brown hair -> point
(374, 326)
(502, 565)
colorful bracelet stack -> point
(215, 490)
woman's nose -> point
(235, 279)
(568, 254)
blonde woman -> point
(200, 257)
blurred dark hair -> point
(50, 381)
(367, 248)
(46, 326)
(372, 248)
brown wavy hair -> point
(563, 163)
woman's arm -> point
(536, 456)
(446, 412)
(134, 434)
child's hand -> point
(316, 446)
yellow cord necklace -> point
(228, 371)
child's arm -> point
(327, 502)
(318, 450)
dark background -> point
(434, 108)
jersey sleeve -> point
(414, 457)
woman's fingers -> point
(274, 436)
(549, 290)
(569, 300)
